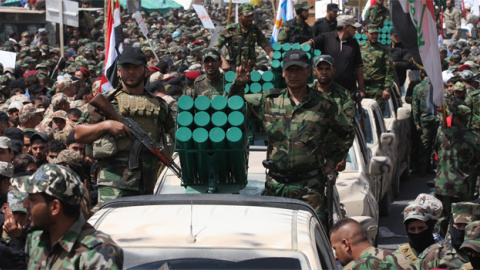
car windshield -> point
(199, 263)
(352, 161)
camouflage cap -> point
(64, 83)
(344, 20)
(210, 52)
(70, 157)
(443, 48)
(435, 205)
(302, 5)
(472, 236)
(461, 111)
(465, 212)
(29, 59)
(373, 29)
(417, 211)
(60, 114)
(58, 99)
(467, 75)
(34, 48)
(55, 180)
(22, 98)
(15, 201)
(25, 33)
(6, 168)
(27, 111)
(246, 9)
(459, 86)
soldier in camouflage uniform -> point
(210, 84)
(473, 102)
(447, 254)
(115, 177)
(324, 71)
(419, 224)
(65, 240)
(240, 40)
(354, 251)
(378, 13)
(377, 68)
(458, 151)
(297, 30)
(297, 121)
(425, 124)
(471, 246)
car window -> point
(200, 263)
(368, 128)
(387, 113)
(379, 124)
(351, 160)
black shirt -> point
(346, 54)
(323, 25)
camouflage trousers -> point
(441, 226)
(427, 139)
(376, 92)
(310, 191)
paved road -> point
(394, 222)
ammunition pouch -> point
(293, 177)
(103, 147)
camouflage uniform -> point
(473, 102)
(81, 247)
(377, 69)
(376, 258)
(472, 241)
(377, 15)
(114, 178)
(295, 31)
(423, 117)
(443, 254)
(210, 88)
(240, 43)
(296, 141)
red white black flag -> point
(419, 17)
(113, 48)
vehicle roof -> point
(218, 221)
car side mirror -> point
(380, 165)
(387, 139)
(403, 113)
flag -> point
(113, 48)
(419, 17)
(284, 13)
(368, 5)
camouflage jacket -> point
(473, 102)
(297, 134)
(377, 15)
(452, 20)
(458, 151)
(210, 88)
(409, 252)
(421, 114)
(295, 31)
(95, 251)
(342, 98)
(377, 65)
(375, 258)
(441, 255)
(241, 44)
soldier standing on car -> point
(378, 13)
(425, 124)
(297, 30)
(451, 18)
(240, 40)
(211, 83)
(353, 250)
(115, 179)
(329, 22)
(447, 254)
(458, 151)
(378, 71)
(297, 121)
(63, 239)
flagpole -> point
(229, 12)
(274, 11)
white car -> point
(397, 122)
(381, 144)
(215, 231)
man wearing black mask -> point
(471, 245)
(419, 224)
(447, 254)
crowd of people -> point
(62, 158)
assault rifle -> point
(329, 191)
(140, 136)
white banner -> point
(8, 59)
(204, 17)
(237, 1)
(474, 5)
(141, 23)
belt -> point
(293, 177)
